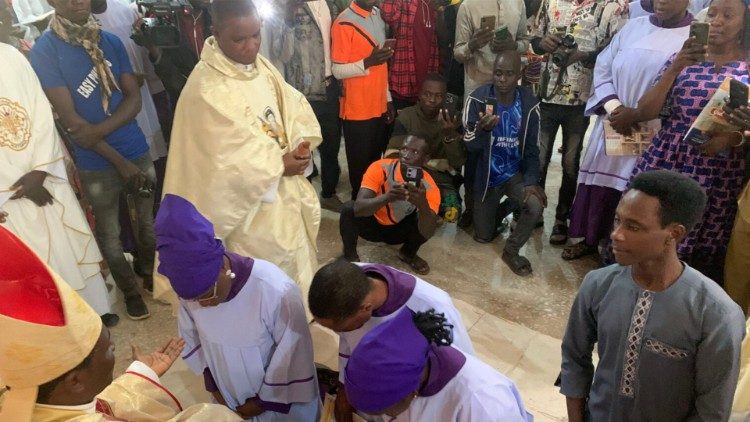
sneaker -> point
(110, 320)
(331, 204)
(136, 308)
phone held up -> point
(488, 22)
(503, 33)
(390, 43)
(490, 105)
(413, 175)
(451, 104)
(738, 94)
(699, 31)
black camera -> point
(160, 25)
(561, 56)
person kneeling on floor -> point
(397, 204)
(502, 131)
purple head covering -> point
(386, 366)
(190, 256)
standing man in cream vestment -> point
(35, 194)
(240, 148)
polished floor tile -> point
(515, 322)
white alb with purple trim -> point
(256, 344)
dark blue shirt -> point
(506, 154)
(59, 64)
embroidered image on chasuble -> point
(15, 126)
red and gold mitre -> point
(46, 328)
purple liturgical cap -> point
(386, 366)
(190, 256)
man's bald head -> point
(510, 57)
(507, 72)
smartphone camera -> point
(413, 176)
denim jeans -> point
(486, 213)
(103, 189)
(574, 125)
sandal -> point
(417, 264)
(559, 234)
(517, 263)
(577, 251)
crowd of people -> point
(181, 167)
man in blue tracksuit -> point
(502, 130)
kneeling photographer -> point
(173, 31)
(570, 35)
(397, 204)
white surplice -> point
(256, 344)
(478, 393)
(58, 233)
(425, 297)
(627, 68)
(118, 19)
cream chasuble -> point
(232, 126)
(58, 233)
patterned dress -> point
(720, 176)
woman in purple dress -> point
(684, 87)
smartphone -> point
(699, 30)
(451, 103)
(487, 22)
(490, 104)
(414, 176)
(503, 33)
(390, 43)
(738, 93)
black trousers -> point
(365, 143)
(406, 232)
(574, 124)
(327, 113)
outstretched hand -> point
(161, 360)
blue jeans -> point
(103, 190)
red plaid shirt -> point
(401, 16)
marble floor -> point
(516, 323)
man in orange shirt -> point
(359, 57)
(395, 205)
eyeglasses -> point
(214, 294)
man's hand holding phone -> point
(397, 193)
(417, 196)
(381, 54)
(448, 121)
